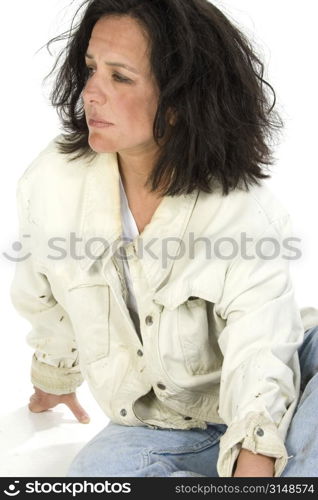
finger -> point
(38, 404)
(78, 410)
(36, 407)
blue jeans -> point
(124, 451)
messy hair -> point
(209, 76)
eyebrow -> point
(118, 64)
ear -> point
(172, 117)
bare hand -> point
(42, 401)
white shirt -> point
(130, 231)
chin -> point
(100, 145)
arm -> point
(260, 373)
(250, 465)
(55, 367)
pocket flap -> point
(86, 281)
(171, 300)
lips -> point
(96, 119)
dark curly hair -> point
(207, 72)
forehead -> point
(120, 36)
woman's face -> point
(127, 98)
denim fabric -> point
(120, 450)
(302, 437)
(124, 451)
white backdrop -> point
(285, 36)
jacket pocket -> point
(88, 307)
(188, 335)
(194, 336)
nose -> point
(93, 93)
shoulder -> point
(50, 169)
(252, 210)
(51, 191)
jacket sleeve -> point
(54, 367)
(260, 375)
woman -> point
(165, 113)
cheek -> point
(139, 108)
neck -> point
(134, 172)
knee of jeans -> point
(310, 344)
(308, 355)
(73, 472)
(75, 469)
(81, 465)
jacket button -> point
(149, 320)
(260, 432)
(161, 386)
(140, 353)
(187, 418)
(123, 412)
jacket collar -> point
(158, 244)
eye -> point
(121, 78)
(117, 77)
(89, 70)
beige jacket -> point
(220, 328)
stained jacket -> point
(219, 324)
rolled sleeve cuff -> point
(55, 380)
(257, 434)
